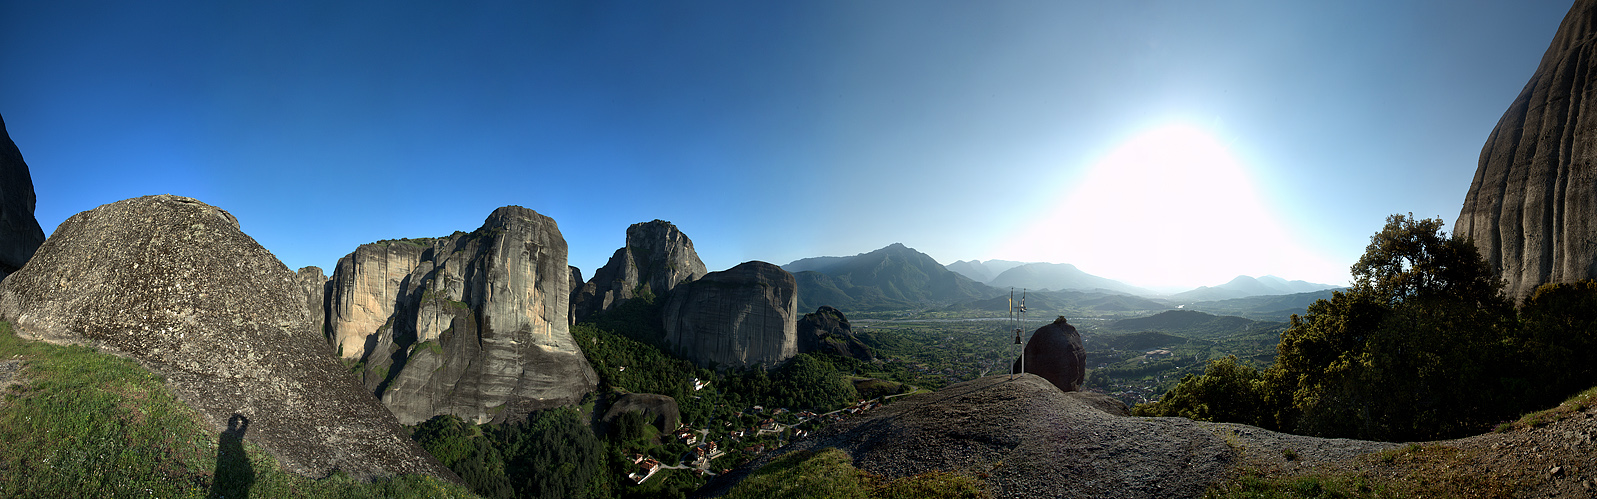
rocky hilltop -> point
(1029, 439)
(656, 259)
(1532, 207)
(828, 330)
(737, 317)
(173, 283)
(20, 234)
(474, 324)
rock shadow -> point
(234, 474)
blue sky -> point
(781, 130)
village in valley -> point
(747, 435)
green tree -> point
(1559, 337)
(1422, 346)
(1407, 352)
(1227, 391)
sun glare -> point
(1170, 207)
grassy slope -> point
(1437, 469)
(86, 424)
(830, 473)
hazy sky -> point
(1158, 142)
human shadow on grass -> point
(234, 475)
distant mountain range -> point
(980, 271)
(892, 278)
(1245, 286)
(899, 278)
(1004, 274)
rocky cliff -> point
(474, 324)
(1532, 207)
(20, 234)
(1055, 353)
(736, 317)
(173, 283)
(828, 330)
(656, 259)
(313, 283)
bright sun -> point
(1170, 207)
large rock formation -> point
(656, 259)
(20, 234)
(736, 317)
(828, 330)
(1532, 208)
(314, 284)
(173, 283)
(473, 325)
(1055, 353)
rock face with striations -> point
(20, 234)
(473, 325)
(1055, 353)
(828, 330)
(657, 258)
(314, 284)
(1532, 207)
(174, 284)
(736, 317)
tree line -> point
(1424, 345)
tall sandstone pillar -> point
(1532, 208)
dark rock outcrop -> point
(656, 259)
(174, 284)
(736, 317)
(20, 234)
(474, 324)
(659, 410)
(827, 329)
(1055, 353)
(314, 284)
(1532, 207)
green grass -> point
(1253, 486)
(87, 424)
(830, 474)
(1574, 405)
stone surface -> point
(20, 234)
(657, 258)
(174, 284)
(314, 284)
(474, 324)
(576, 290)
(1532, 206)
(659, 410)
(828, 330)
(736, 317)
(1055, 353)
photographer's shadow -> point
(234, 475)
